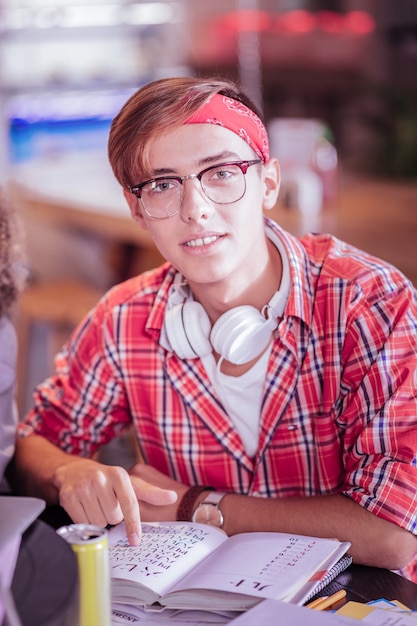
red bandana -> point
(236, 117)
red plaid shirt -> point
(339, 409)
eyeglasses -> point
(225, 183)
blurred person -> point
(271, 380)
(11, 282)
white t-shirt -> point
(242, 397)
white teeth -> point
(203, 241)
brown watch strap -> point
(186, 506)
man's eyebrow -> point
(226, 155)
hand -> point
(151, 476)
(100, 494)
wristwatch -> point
(208, 512)
(186, 506)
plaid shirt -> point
(339, 409)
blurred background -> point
(66, 66)
(336, 81)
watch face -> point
(208, 514)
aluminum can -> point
(93, 602)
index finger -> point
(129, 505)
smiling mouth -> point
(202, 241)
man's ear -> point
(272, 181)
(135, 208)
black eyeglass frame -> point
(243, 165)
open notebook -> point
(182, 565)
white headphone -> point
(239, 335)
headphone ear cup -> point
(241, 334)
(188, 328)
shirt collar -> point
(299, 301)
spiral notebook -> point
(342, 564)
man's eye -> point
(160, 186)
(222, 173)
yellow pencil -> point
(320, 604)
(317, 601)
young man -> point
(271, 381)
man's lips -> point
(201, 241)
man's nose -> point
(195, 204)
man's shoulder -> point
(337, 259)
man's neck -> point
(219, 298)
